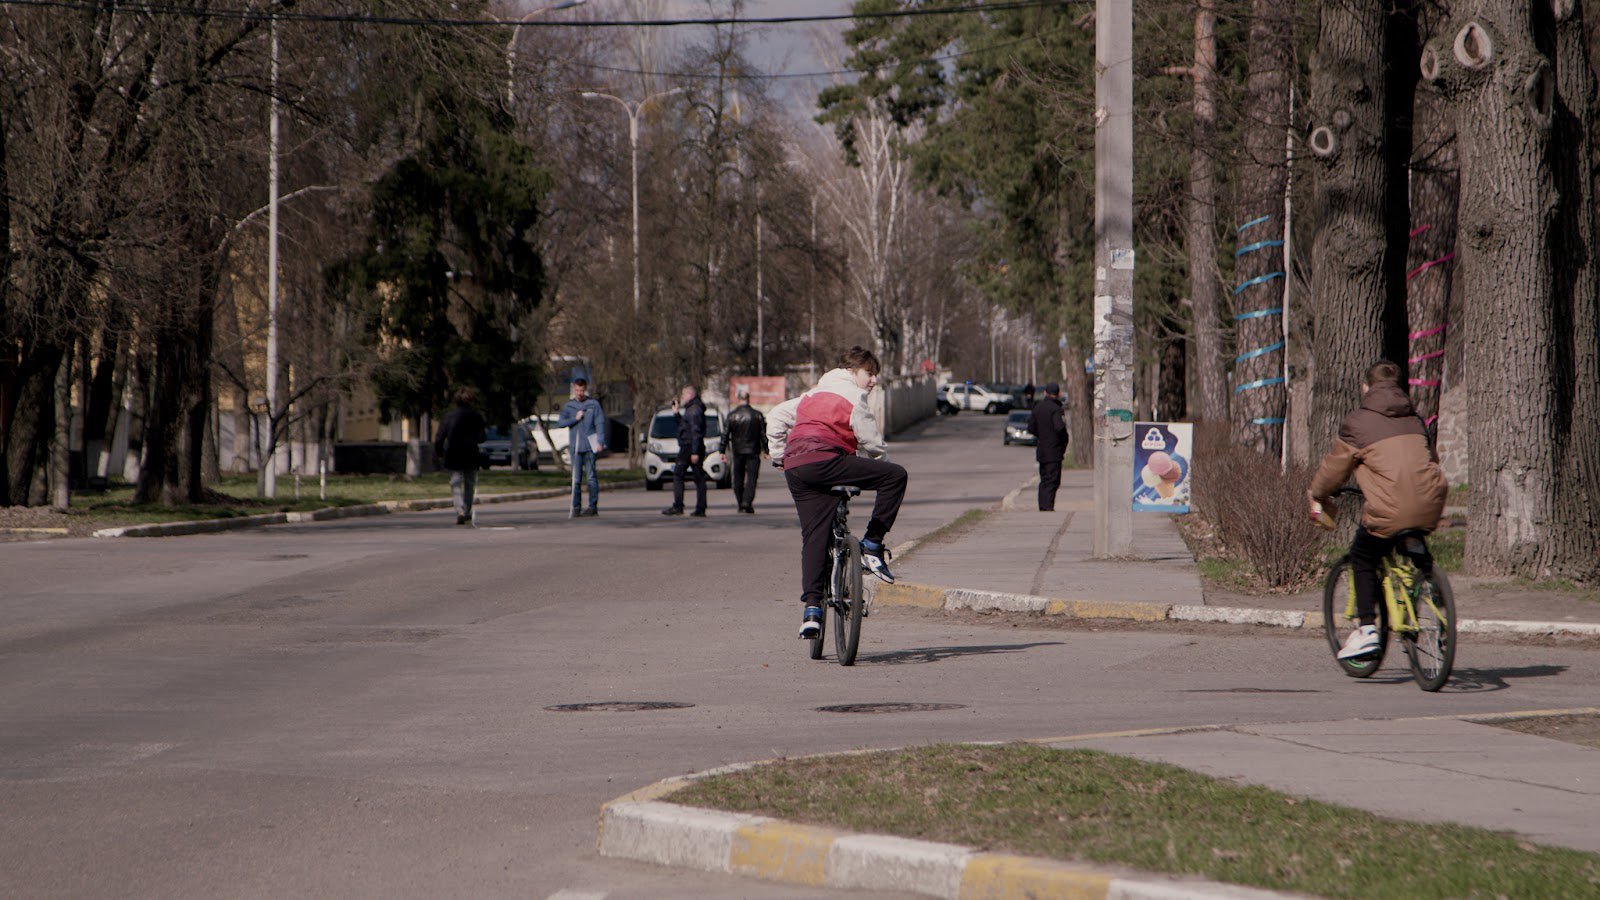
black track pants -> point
(810, 485)
(1366, 551)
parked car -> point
(495, 450)
(977, 396)
(661, 450)
(1016, 431)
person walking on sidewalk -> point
(1049, 427)
(691, 414)
(828, 437)
(1385, 445)
(455, 446)
(746, 440)
(585, 422)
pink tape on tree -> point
(1419, 229)
(1426, 382)
(1428, 265)
(1434, 355)
(1417, 335)
(1428, 422)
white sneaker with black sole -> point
(1361, 642)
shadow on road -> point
(1465, 680)
(940, 654)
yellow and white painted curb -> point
(737, 844)
(927, 596)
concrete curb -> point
(640, 826)
(382, 508)
(927, 596)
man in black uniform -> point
(455, 446)
(691, 412)
(746, 431)
(1049, 426)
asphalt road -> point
(359, 708)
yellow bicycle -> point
(1418, 607)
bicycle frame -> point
(838, 546)
(1402, 583)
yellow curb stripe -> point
(778, 851)
(995, 876)
(1137, 732)
(1478, 718)
(1101, 609)
(924, 596)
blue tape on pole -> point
(1258, 245)
(1275, 311)
(1260, 382)
(1255, 353)
(1252, 223)
(1259, 279)
(1268, 421)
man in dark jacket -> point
(746, 431)
(1049, 427)
(455, 446)
(691, 413)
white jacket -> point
(832, 418)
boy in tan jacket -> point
(1385, 445)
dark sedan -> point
(1017, 429)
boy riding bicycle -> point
(1385, 444)
(825, 438)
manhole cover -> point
(876, 708)
(619, 706)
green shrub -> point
(1257, 509)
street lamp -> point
(633, 143)
(511, 45)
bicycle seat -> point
(1410, 543)
(1413, 533)
(845, 490)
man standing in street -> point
(746, 431)
(691, 414)
(455, 446)
(585, 422)
(1049, 427)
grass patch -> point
(1449, 548)
(235, 495)
(1100, 808)
(1229, 573)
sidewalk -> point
(1019, 559)
(1429, 770)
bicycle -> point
(846, 596)
(1418, 606)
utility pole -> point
(269, 483)
(1113, 281)
(633, 111)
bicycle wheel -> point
(853, 600)
(1432, 650)
(1335, 624)
(816, 642)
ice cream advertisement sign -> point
(1162, 454)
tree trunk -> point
(1078, 392)
(1260, 392)
(1435, 187)
(31, 421)
(1575, 550)
(1350, 250)
(1522, 292)
(60, 469)
(1200, 225)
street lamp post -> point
(633, 143)
(511, 45)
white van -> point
(661, 450)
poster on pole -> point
(1163, 454)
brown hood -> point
(1388, 400)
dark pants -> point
(810, 485)
(1049, 483)
(1366, 551)
(681, 468)
(746, 471)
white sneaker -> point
(1361, 642)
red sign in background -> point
(765, 392)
